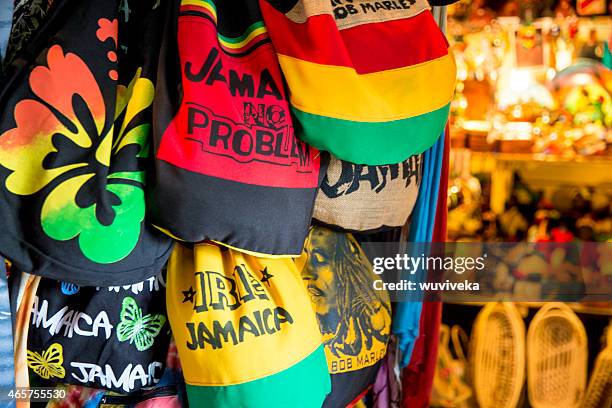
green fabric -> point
(303, 385)
(607, 57)
(372, 143)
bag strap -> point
(460, 341)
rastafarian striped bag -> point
(370, 81)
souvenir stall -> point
(531, 123)
(185, 189)
(531, 162)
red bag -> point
(229, 167)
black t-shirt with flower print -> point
(75, 120)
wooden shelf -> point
(541, 172)
(541, 158)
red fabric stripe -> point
(417, 378)
(318, 38)
(406, 42)
(367, 48)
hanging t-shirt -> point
(74, 145)
(229, 167)
(355, 197)
(407, 314)
(7, 369)
(418, 376)
(370, 81)
(113, 338)
(354, 318)
(245, 330)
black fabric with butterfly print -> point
(113, 338)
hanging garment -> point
(418, 376)
(354, 318)
(113, 338)
(74, 145)
(229, 167)
(7, 369)
(245, 330)
(387, 390)
(406, 317)
(26, 287)
(370, 82)
(364, 198)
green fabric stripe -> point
(248, 31)
(373, 143)
(303, 385)
(211, 3)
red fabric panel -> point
(401, 46)
(367, 48)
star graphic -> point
(189, 294)
(265, 276)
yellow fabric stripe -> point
(339, 92)
(200, 3)
(167, 232)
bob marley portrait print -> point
(354, 319)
